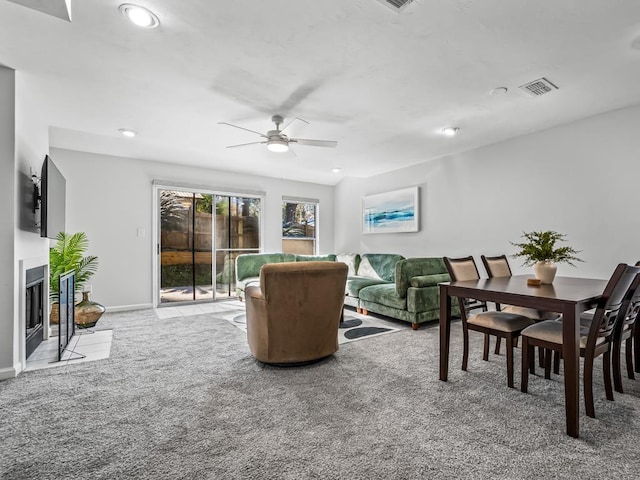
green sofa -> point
(248, 266)
(389, 284)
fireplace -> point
(34, 303)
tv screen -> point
(53, 200)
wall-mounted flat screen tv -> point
(53, 200)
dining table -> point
(567, 296)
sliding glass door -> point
(200, 235)
(185, 248)
(237, 231)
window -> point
(299, 226)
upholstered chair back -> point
(294, 315)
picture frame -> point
(396, 211)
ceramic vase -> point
(88, 313)
(545, 271)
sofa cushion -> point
(316, 258)
(355, 284)
(379, 265)
(384, 294)
(430, 280)
(352, 260)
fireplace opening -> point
(35, 303)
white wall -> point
(23, 144)
(579, 179)
(110, 198)
(7, 220)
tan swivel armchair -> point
(294, 315)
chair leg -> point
(547, 364)
(588, 387)
(636, 345)
(465, 347)
(497, 350)
(629, 357)
(556, 362)
(485, 352)
(524, 379)
(606, 369)
(509, 347)
(617, 371)
(531, 357)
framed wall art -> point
(391, 212)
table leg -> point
(445, 331)
(571, 355)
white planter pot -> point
(545, 271)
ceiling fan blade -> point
(242, 128)
(284, 130)
(314, 143)
(244, 144)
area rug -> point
(354, 327)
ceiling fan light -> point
(450, 131)
(278, 146)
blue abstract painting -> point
(391, 212)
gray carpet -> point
(183, 399)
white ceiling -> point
(382, 84)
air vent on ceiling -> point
(396, 5)
(538, 87)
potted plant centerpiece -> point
(67, 254)
(540, 250)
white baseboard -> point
(126, 308)
(10, 372)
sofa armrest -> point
(409, 268)
(429, 280)
(425, 299)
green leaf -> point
(541, 246)
(68, 254)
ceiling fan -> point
(278, 140)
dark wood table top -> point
(567, 289)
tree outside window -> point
(299, 227)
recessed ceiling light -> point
(140, 16)
(450, 131)
(127, 132)
(335, 170)
(498, 91)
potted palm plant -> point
(540, 250)
(67, 254)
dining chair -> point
(625, 331)
(498, 266)
(500, 324)
(595, 339)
